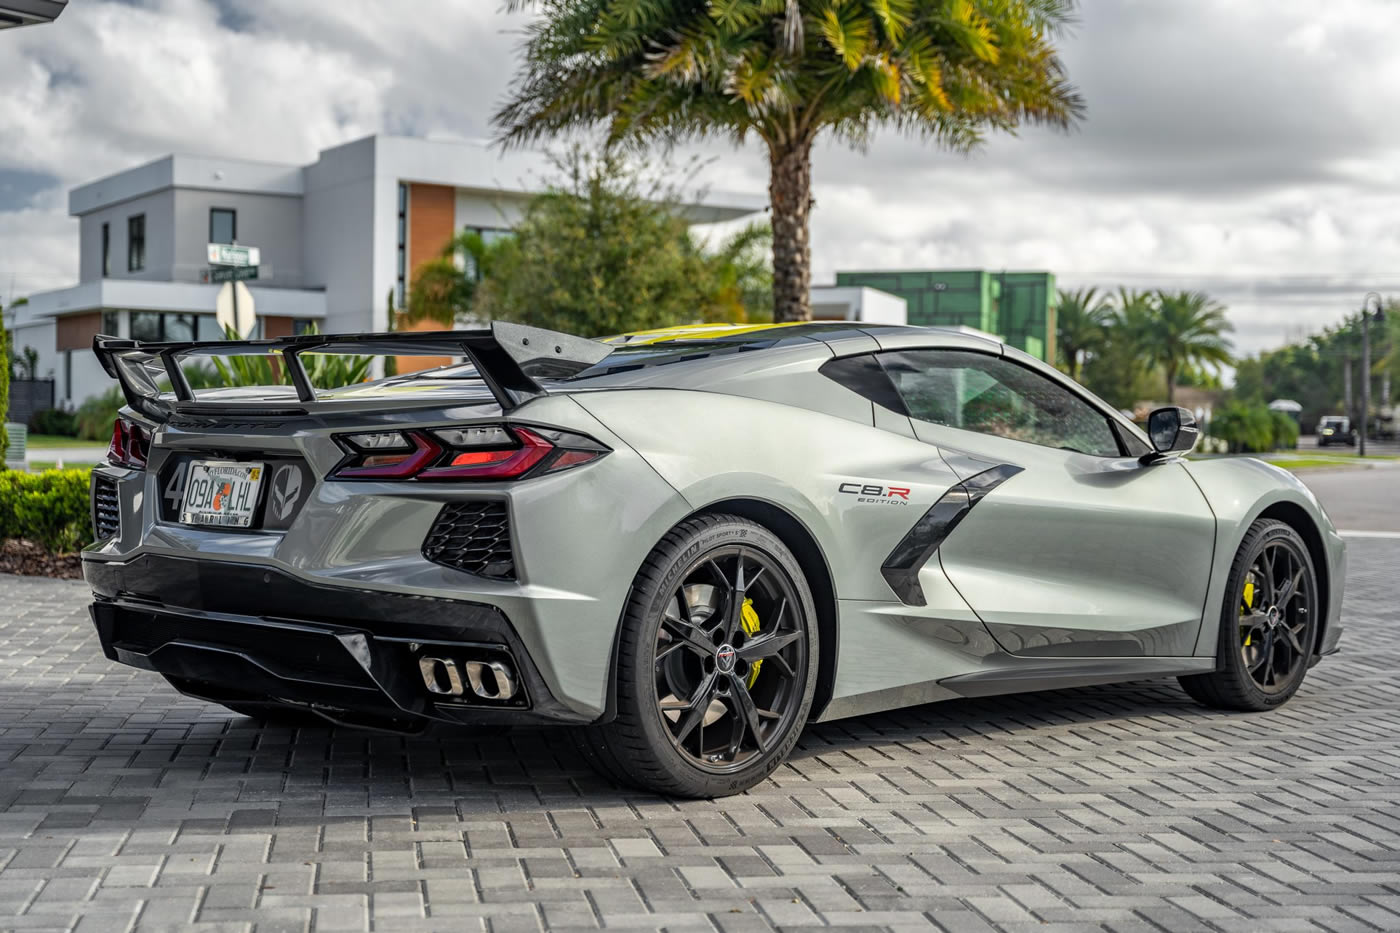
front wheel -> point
(1268, 625)
(717, 663)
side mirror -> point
(1172, 431)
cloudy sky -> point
(1248, 148)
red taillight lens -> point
(396, 464)
(477, 452)
(495, 464)
(116, 451)
(130, 445)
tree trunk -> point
(790, 194)
(1171, 384)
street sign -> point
(233, 307)
(222, 254)
(232, 273)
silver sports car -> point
(684, 544)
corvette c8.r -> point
(685, 545)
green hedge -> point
(54, 421)
(49, 507)
(1253, 428)
(1285, 430)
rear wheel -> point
(717, 663)
(1268, 627)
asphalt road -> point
(1124, 808)
(1358, 499)
(1308, 442)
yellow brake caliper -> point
(748, 618)
(1248, 604)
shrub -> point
(1245, 428)
(1285, 430)
(50, 508)
(54, 421)
(95, 416)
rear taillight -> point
(475, 452)
(130, 445)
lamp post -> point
(1366, 363)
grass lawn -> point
(58, 441)
(1316, 463)
(36, 466)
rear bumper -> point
(349, 654)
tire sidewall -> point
(644, 614)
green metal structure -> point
(1019, 307)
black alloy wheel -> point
(1269, 623)
(717, 663)
(729, 648)
(1277, 614)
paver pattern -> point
(124, 805)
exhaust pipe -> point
(490, 680)
(502, 686)
(440, 676)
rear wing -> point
(510, 358)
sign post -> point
(233, 265)
(234, 309)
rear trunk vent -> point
(473, 536)
(106, 510)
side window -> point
(989, 395)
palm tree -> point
(785, 71)
(1186, 329)
(443, 288)
(1080, 318)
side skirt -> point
(1006, 674)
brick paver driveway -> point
(1118, 808)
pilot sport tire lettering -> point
(1268, 625)
(717, 663)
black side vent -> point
(106, 512)
(473, 536)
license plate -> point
(221, 492)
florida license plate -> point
(221, 492)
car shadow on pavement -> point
(171, 742)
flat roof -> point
(149, 295)
(466, 165)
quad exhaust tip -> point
(490, 680)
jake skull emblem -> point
(286, 489)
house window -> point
(223, 225)
(146, 325)
(400, 287)
(111, 323)
(106, 251)
(179, 327)
(170, 325)
(136, 243)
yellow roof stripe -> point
(693, 332)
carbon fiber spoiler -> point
(510, 358)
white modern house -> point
(336, 238)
